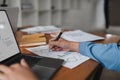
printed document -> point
(80, 36)
(72, 59)
(42, 29)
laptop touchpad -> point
(43, 73)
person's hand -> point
(59, 45)
(62, 44)
(17, 72)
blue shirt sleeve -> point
(106, 54)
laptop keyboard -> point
(31, 60)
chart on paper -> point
(72, 59)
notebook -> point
(43, 67)
(33, 40)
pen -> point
(58, 37)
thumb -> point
(23, 63)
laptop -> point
(13, 15)
(43, 67)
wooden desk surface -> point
(83, 71)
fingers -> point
(16, 65)
(56, 48)
(53, 43)
(50, 43)
(5, 69)
(23, 63)
(56, 45)
(2, 76)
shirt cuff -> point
(82, 47)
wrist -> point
(74, 46)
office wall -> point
(99, 17)
(88, 17)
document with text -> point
(72, 59)
(42, 29)
(80, 36)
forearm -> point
(107, 54)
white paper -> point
(72, 59)
(80, 36)
(43, 29)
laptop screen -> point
(8, 45)
(12, 11)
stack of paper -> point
(33, 40)
(80, 36)
(42, 29)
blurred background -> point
(88, 15)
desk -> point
(83, 71)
